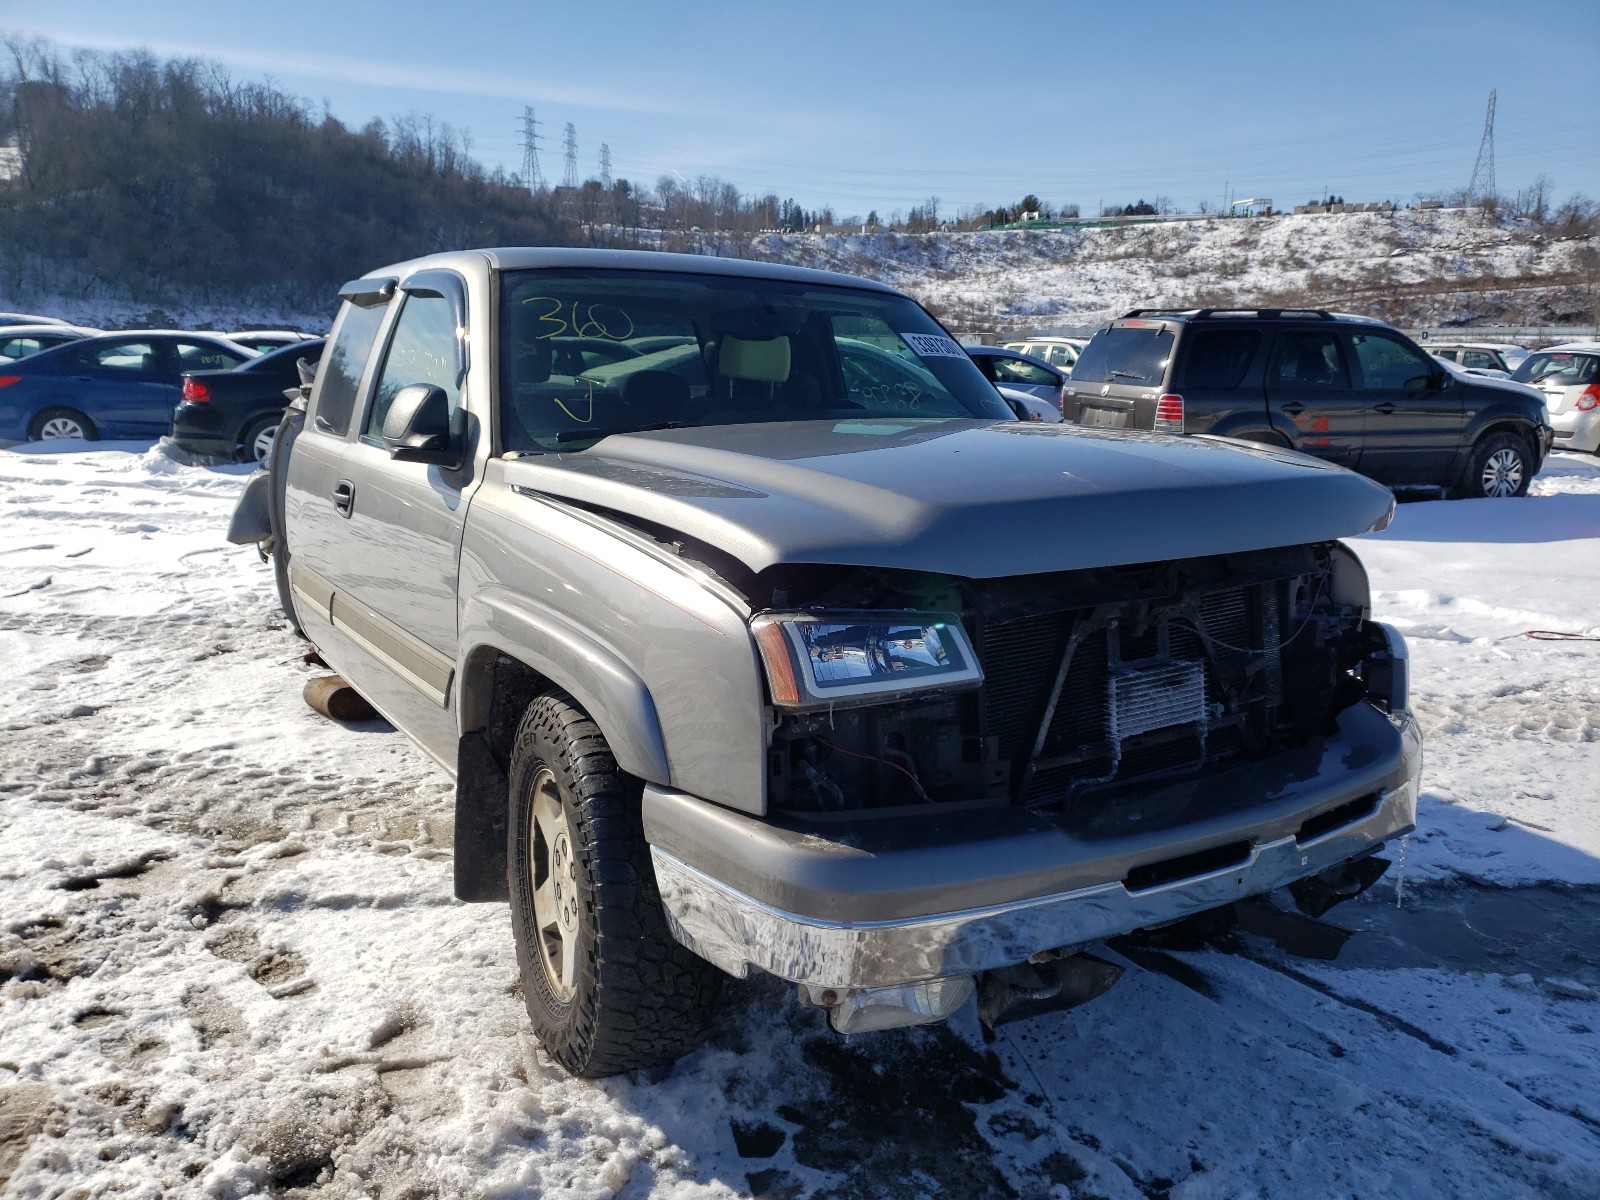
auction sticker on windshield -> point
(933, 345)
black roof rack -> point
(1200, 314)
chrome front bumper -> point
(736, 931)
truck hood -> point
(979, 499)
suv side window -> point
(1387, 365)
(424, 348)
(1481, 359)
(1308, 359)
(340, 373)
(1218, 358)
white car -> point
(1059, 352)
(16, 318)
(1569, 377)
(19, 341)
(1494, 359)
(1029, 407)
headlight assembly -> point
(819, 659)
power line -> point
(1483, 168)
(569, 177)
(531, 175)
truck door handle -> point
(344, 497)
(1294, 408)
(1386, 407)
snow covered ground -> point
(230, 962)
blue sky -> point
(880, 106)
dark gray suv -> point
(1351, 390)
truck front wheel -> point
(607, 986)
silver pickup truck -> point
(757, 633)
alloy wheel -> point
(1502, 473)
(60, 427)
(555, 887)
(261, 446)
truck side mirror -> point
(417, 427)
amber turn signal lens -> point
(774, 649)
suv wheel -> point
(606, 985)
(1498, 468)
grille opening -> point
(1327, 822)
(1254, 639)
(1186, 866)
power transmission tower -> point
(530, 151)
(1481, 186)
(569, 177)
(605, 165)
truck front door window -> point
(342, 366)
(425, 348)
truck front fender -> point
(496, 621)
(513, 649)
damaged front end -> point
(1088, 687)
(971, 781)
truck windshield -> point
(607, 351)
(1129, 354)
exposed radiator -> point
(1128, 692)
(1155, 698)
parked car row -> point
(65, 381)
(1350, 390)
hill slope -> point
(1450, 267)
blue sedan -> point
(117, 385)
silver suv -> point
(744, 658)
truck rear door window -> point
(1129, 354)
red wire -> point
(874, 758)
(1551, 635)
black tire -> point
(42, 418)
(636, 997)
(1500, 466)
(280, 574)
(244, 450)
(282, 444)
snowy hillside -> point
(230, 963)
(1408, 267)
(1413, 268)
